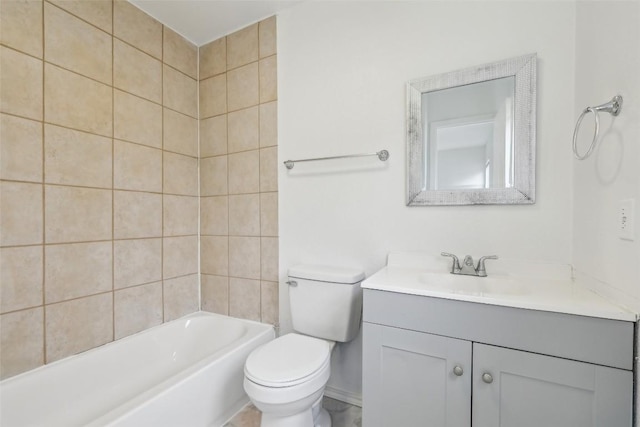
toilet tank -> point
(326, 302)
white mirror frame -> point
(523, 68)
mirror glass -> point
(468, 135)
(471, 136)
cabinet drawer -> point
(588, 339)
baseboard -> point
(343, 396)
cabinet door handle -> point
(487, 378)
(458, 371)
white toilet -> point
(285, 378)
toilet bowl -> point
(285, 378)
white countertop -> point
(534, 286)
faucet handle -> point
(482, 272)
(455, 267)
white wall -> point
(607, 64)
(342, 69)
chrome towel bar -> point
(612, 107)
(383, 155)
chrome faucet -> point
(467, 267)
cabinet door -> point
(531, 390)
(409, 379)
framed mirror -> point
(471, 135)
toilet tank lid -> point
(327, 273)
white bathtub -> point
(187, 372)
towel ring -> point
(612, 107)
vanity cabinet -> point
(438, 362)
(410, 379)
(532, 390)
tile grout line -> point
(44, 224)
(226, 112)
(261, 306)
(162, 248)
(199, 242)
(113, 180)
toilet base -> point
(315, 416)
(324, 419)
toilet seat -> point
(288, 361)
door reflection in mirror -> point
(468, 136)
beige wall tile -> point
(242, 47)
(75, 45)
(20, 278)
(180, 133)
(269, 169)
(213, 136)
(214, 215)
(137, 308)
(243, 87)
(136, 72)
(180, 215)
(269, 124)
(268, 79)
(244, 172)
(269, 258)
(22, 341)
(136, 167)
(77, 270)
(180, 92)
(244, 215)
(215, 293)
(180, 256)
(244, 257)
(213, 96)
(77, 102)
(244, 298)
(20, 84)
(180, 174)
(214, 255)
(21, 23)
(269, 305)
(97, 12)
(78, 325)
(243, 130)
(137, 28)
(76, 158)
(136, 119)
(136, 262)
(269, 214)
(213, 58)
(267, 36)
(213, 176)
(74, 214)
(21, 149)
(20, 214)
(182, 297)
(137, 215)
(180, 53)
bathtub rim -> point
(66, 359)
(256, 331)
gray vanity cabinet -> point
(411, 381)
(532, 390)
(431, 362)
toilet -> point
(285, 378)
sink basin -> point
(472, 285)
